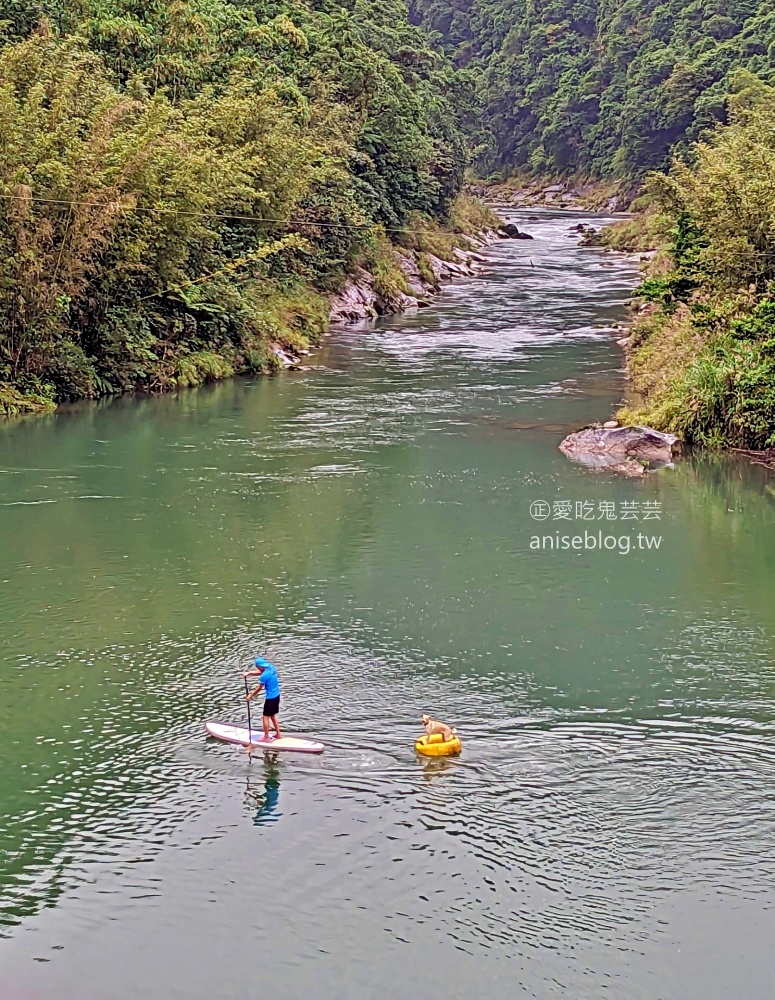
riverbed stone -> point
(286, 358)
(512, 232)
(357, 301)
(617, 448)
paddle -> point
(250, 726)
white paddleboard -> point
(240, 735)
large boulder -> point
(357, 301)
(418, 286)
(439, 267)
(512, 232)
(284, 357)
(629, 450)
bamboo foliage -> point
(729, 191)
(705, 360)
(156, 159)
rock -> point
(628, 468)
(357, 301)
(554, 189)
(610, 424)
(617, 448)
(512, 232)
(415, 281)
(624, 342)
(398, 303)
(286, 359)
(437, 265)
(464, 259)
(589, 236)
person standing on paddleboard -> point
(270, 683)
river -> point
(609, 830)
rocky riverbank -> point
(423, 276)
(519, 192)
(391, 277)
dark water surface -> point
(609, 830)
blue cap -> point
(260, 662)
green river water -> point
(609, 830)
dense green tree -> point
(704, 363)
(181, 180)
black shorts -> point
(272, 705)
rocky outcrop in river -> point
(631, 451)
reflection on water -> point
(608, 828)
(264, 799)
(437, 767)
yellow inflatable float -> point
(437, 746)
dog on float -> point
(433, 726)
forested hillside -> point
(604, 88)
(703, 357)
(677, 96)
(183, 182)
(152, 153)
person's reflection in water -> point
(267, 799)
